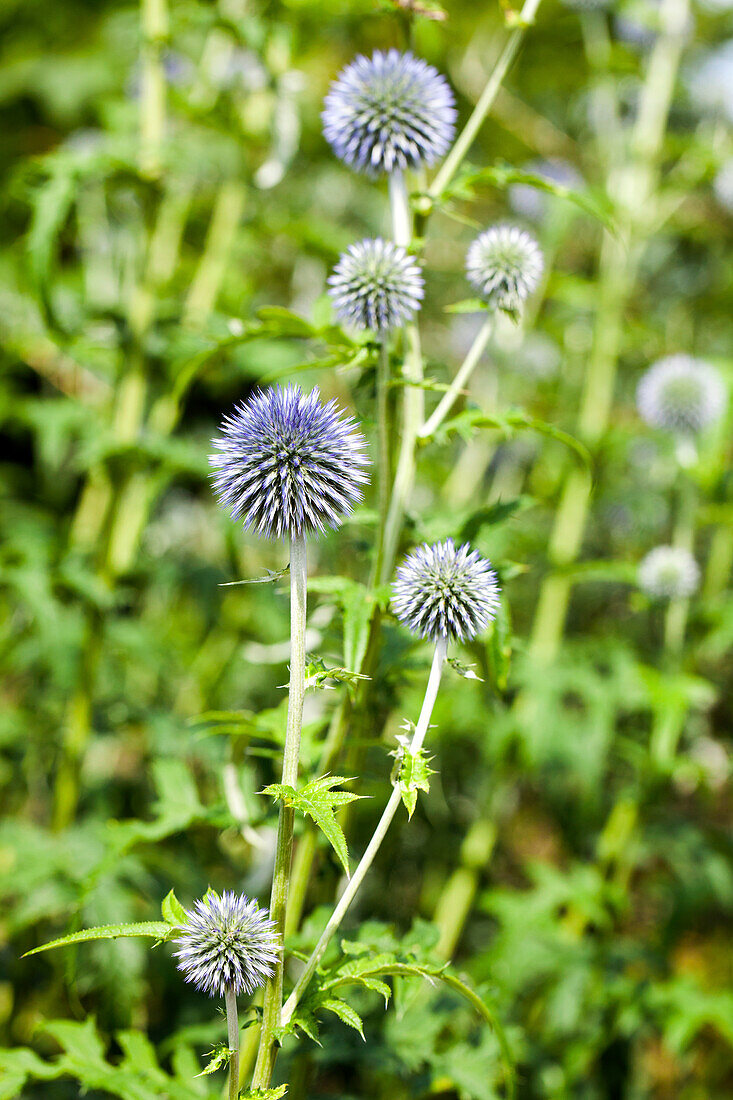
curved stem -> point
(464, 373)
(465, 139)
(233, 1041)
(380, 832)
(284, 849)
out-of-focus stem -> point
(154, 20)
(225, 218)
(284, 849)
(456, 898)
(634, 184)
(380, 832)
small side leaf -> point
(411, 771)
(173, 912)
(264, 1094)
(218, 1059)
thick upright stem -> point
(233, 1041)
(284, 848)
(154, 17)
(462, 376)
(380, 832)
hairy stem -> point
(284, 849)
(233, 1041)
(374, 844)
(462, 376)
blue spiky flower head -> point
(285, 464)
(227, 941)
(669, 572)
(504, 264)
(376, 285)
(681, 394)
(389, 112)
(445, 592)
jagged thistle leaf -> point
(218, 1058)
(157, 930)
(319, 802)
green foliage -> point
(571, 855)
(319, 801)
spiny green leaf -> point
(155, 929)
(218, 1058)
(316, 674)
(173, 912)
(344, 1012)
(411, 771)
(463, 670)
(320, 802)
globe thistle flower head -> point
(389, 112)
(504, 265)
(669, 572)
(227, 941)
(285, 464)
(376, 285)
(681, 394)
(445, 592)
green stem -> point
(462, 376)
(380, 832)
(284, 849)
(635, 183)
(233, 1041)
(154, 18)
(465, 139)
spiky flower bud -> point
(389, 112)
(227, 941)
(376, 285)
(504, 264)
(444, 592)
(681, 394)
(287, 465)
(669, 572)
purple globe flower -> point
(681, 394)
(376, 285)
(287, 465)
(504, 264)
(389, 112)
(227, 941)
(444, 592)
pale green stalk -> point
(284, 848)
(669, 718)
(380, 832)
(233, 1041)
(633, 184)
(154, 19)
(465, 139)
(462, 376)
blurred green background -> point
(164, 177)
